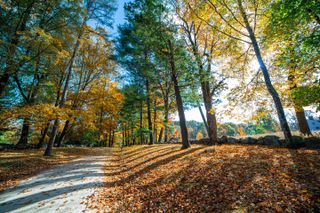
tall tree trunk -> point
(160, 135)
(141, 122)
(48, 151)
(275, 96)
(166, 119)
(53, 134)
(113, 138)
(43, 136)
(155, 130)
(126, 135)
(123, 136)
(211, 123)
(149, 113)
(105, 140)
(63, 133)
(211, 117)
(204, 119)
(110, 138)
(179, 102)
(24, 133)
(302, 121)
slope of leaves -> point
(163, 178)
(17, 165)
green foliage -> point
(307, 95)
(6, 136)
(229, 129)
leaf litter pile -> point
(163, 178)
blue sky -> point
(119, 15)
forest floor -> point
(164, 178)
(60, 189)
(17, 165)
(226, 178)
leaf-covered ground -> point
(16, 165)
(163, 178)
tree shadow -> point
(135, 151)
(306, 172)
(152, 166)
(19, 197)
(143, 162)
(24, 201)
(142, 154)
(202, 190)
(62, 179)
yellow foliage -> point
(199, 135)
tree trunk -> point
(207, 100)
(155, 121)
(302, 121)
(43, 136)
(204, 119)
(160, 135)
(179, 102)
(113, 138)
(166, 119)
(48, 151)
(275, 96)
(126, 136)
(211, 117)
(141, 122)
(149, 113)
(24, 133)
(63, 133)
(110, 138)
(123, 136)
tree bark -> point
(211, 117)
(275, 96)
(63, 133)
(43, 136)
(24, 133)
(210, 122)
(141, 122)
(302, 121)
(110, 138)
(160, 135)
(48, 151)
(123, 136)
(179, 102)
(149, 113)
(113, 138)
(203, 118)
(155, 121)
(166, 119)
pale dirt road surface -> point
(60, 189)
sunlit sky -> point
(193, 114)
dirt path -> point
(61, 189)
